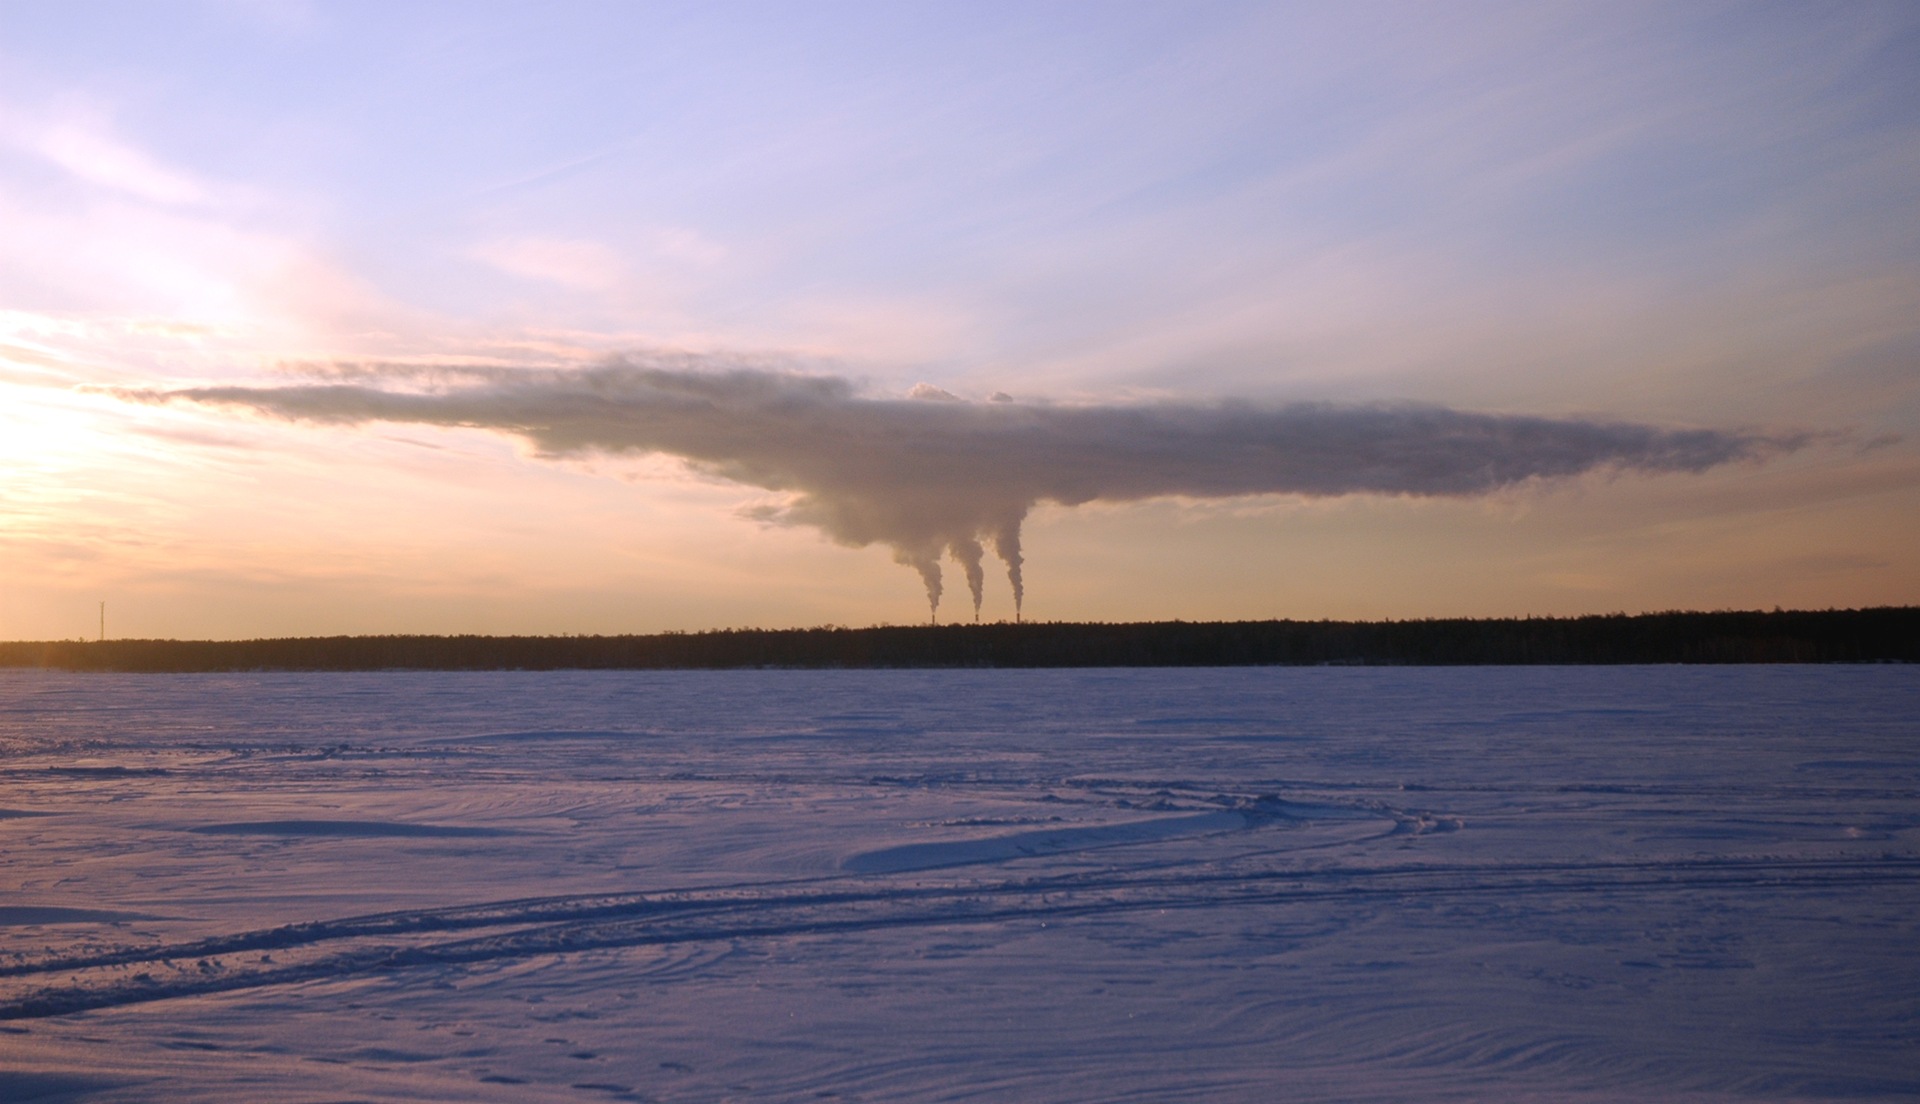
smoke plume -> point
(930, 474)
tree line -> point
(1884, 634)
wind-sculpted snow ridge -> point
(953, 478)
(371, 829)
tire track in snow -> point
(389, 942)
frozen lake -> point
(1551, 884)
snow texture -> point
(1540, 884)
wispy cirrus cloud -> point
(576, 264)
(100, 159)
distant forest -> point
(1886, 634)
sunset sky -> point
(592, 318)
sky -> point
(598, 318)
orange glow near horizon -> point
(1271, 207)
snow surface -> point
(1257, 884)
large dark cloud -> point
(929, 474)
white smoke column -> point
(1006, 545)
(933, 474)
(968, 554)
(928, 565)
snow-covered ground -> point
(1258, 884)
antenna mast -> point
(103, 621)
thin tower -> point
(103, 621)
